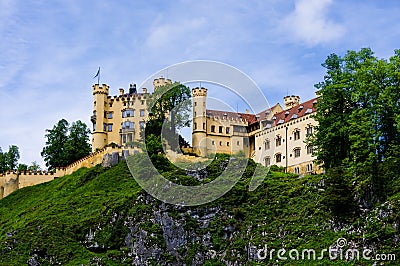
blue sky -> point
(50, 50)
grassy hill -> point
(101, 216)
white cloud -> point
(309, 23)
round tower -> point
(290, 101)
(199, 132)
(99, 134)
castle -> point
(275, 136)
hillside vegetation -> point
(101, 216)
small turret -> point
(290, 101)
(132, 89)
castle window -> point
(195, 114)
(104, 127)
(94, 113)
(128, 113)
(204, 125)
(109, 127)
(220, 143)
(141, 124)
(296, 134)
(213, 142)
(220, 129)
(278, 141)
(141, 112)
(195, 103)
(238, 143)
(309, 149)
(267, 144)
(110, 115)
(309, 168)
(105, 114)
(142, 102)
(278, 157)
(194, 125)
(309, 130)
(297, 170)
(228, 129)
(212, 128)
(227, 144)
(267, 161)
(94, 126)
(296, 152)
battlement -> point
(199, 92)
(104, 89)
(161, 82)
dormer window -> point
(300, 108)
(294, 116)
(308, 111)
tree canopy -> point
(169, 107)
(9, 159)
(358, 112)
(66, 144)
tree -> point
(3, 164)
(22, 167)
(66, 144)
(77, 145)
(358, 112)
(54, 152)
(34, 167)
(12, 157)
(170, 106)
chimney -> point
(121, 91)
(247, 111)
(144, 90)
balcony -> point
(127, 130)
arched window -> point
(278, 157)
(296, 152)
(267, 161)
(267, 144)
(309, 149)
(296, 134)
(278, 141)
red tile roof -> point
(250, 118)
(295, 112)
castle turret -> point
(161, 82)
(100, 107)
(199, 134)
(290, 101)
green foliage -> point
(9, 159)
(338, 195)
(357, 113)
(34, 167)
(54, 219)
(66, 144)
(22, 167)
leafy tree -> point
(358, 115)
(66, 144)
(22, 167)
(12, 157)
(170, 105)
(3, 163)
(34, 167)
(77, 145)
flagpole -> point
(98, 78)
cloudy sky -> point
(50, 50)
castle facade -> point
(276, 136)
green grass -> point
(53, 219)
